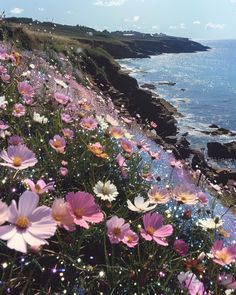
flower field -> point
(89, 204)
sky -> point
(196, 19)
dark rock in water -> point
(166, 83)
(213, 126)
(222, 151)
(171, 139)
(182, 89)
(149, 86)
(198, 161)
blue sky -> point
(197, 19)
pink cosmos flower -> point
(203, 199)
(63, 171)
(68, 133)
(223, 256)
(130, 238)
(122, 164)
(25, 89)
(227, 280)
(83, 209)
(176, 164)
(181, 247)
(158, 196)
(66, 118)
(88, 123)
(61, 214)
(61, 98)
(154, 155)
(190, 282)
(15, 140)
(3, 126)
(3, 70)
(40, 187)
(18, 110)
(6, 78)
(18, 157)
(3, 212)
(127, 145)
(116, 229)
(154, 228)
(116, 132)
(28, 224)
(186, 195)
(58, 143)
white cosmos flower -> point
(210, 223)
(61, 83)
(105, 190)
(102, 122)
(140, 205)
(40, 119)
(3, 102)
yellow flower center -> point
(150, 230)
(116, 231)
(79, 212)
(57, 143)
(57, 217)
(222, 255)
(22, 222)
(17, 161)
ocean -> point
(205, 89)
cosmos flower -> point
(3, 212)
(116, 132)
(88, 123)
(68, 133)
(61, 213)
(111, 120)
(203, 199)
(25, 89)
(63, 171)
(227, 280)
(122, 165)
(223, 256)
(98, 150)
(107, 191)
(154, 228)
(181, 247)
(130, 238)
(58, 143)
(185, 195)
(28, 224)
(127, 145)
(140, 205)
(116, 229)
(158, 196)
(66, 118)
(210, 223)
(40, 187)
(15, 140)
(3, 102)
(18, 157)
(83, 209)
(3, 125)
(61, 98)
(190, 283)
(18, 110)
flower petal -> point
(27, 203)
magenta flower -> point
(63, 171)
(61, 98)
(181, 247)
(61, 214)
(25, 89)
(116, 229)
(58, 143)
(223, 256)
(40, 187)
(28, 224)
(15, 140)
(227, 280)
(83, 209)
(190, 283)
(68, 133)
(18, 110)
(154, 228)
(88, 123)
(18, 157)
(130, 238)
(66, 118)
(3, 126)
(127, 145)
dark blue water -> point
(209, 81)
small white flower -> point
(140, 205)
(105, 190)
(4, 133)
(101, 121)
(40, 119)
(32, 66)
(61, 83)
(229, 292)
(128, 135)
(210, 223)
(3, 102)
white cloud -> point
(196, 22)
(134, 19)
(155, 27)
(109, 2)
(41, 9)
(179, 27)
(214, 26)
(17, 10)
(233, 1)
